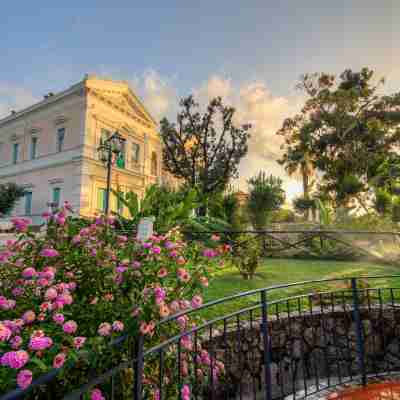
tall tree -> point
(10, 193)
(265, 195)
(204, 149)
(352, 130)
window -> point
(15, 153)
(28, 203)
(56, 197)
(135, 153)
(60, 139)
(33, 147)
(101, 199)
(121, 156)
(154, 163)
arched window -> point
(154, 163)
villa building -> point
(51, 148)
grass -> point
(272, 272)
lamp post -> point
(110, 146)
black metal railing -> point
(281, 342)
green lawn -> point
(228, 281)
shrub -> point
(68, 293)
(246, 255)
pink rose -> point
(104, 329)
(117, 326)
(24, 378)
(97, 395)
(70, 327)
(58, 319)
(79, 341)
(59, 360)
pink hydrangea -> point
(5, 333)
(96, 394)
(59, 360)
(117, 326)
(24, 378)
(104, 329)
(49, 252)
(15, 359)
(58, 319)
(70, 327)
(79, 341)
(40, 343)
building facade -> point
(51, 148)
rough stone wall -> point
(307, 349)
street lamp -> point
(111, 146)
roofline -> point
(52, 99)
(142, 105)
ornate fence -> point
(278, 346)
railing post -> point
(267, 347)
(359, 332)
(138, 368)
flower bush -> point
(70, 292)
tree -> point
(204, 149)
(10, 193)
(265, 195)
(350, 129)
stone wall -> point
(308, 350)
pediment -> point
(125, 101)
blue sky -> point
(168, 49)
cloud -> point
(255, 104)
(158, 93)
(14, 98)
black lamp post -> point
(112, 145)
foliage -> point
(68, 293)
(204, 149)
(383, 202)
(10, 193)
(302, 204)
(265, 195)
(350, 130)
(169, 207)
(283, 215)
(246, 255)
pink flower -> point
(204, 281)
(173, 254)
(209, 253)
(70, 327)
(21, 224)
(59, 360)
(147, 245)
(50, 294)
(58, 319)
(174, 306)
(49, 252)
(16, 342)
(76, 239)
(104, 329)
(136, 265)
(79, 341)
(18, 291)
(159, 294)
(215, 238)
(156, 250)
(117, 326)
(180, 260)
(40, 343)
(29, 273)
(5, 333)
(24, 378)
(29, 317)
(162, 273)
(15, 359)
(164, 310)
(183, 275)
(97, 395)
(185, 392)
(197, 301)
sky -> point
(249, 52)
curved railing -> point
(282, 342)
